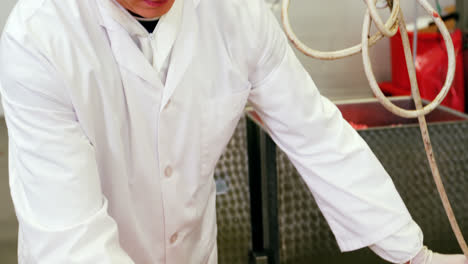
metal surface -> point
(305, 236)
(233, 207)
(389, 29)
(255, 190)
(263, 193)
(258, 258)
(462, 10)
(303, 232)
(270, 194)
(371, 113)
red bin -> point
(431, 68)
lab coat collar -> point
(121, 27)
(183, 50)
(129, 56)
(114, 15)
(110, 9)
(120, 24)
(166, 33)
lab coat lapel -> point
(183, 51)
(129, 56)
(120, 30)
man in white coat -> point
(118, 111)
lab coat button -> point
(168, 171)
(174, 238)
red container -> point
(431, 69)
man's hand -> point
(426, 256)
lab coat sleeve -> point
(54, 179)
(352, 189)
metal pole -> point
(462, 9)
(257, 254)
(263, 187)
(415, 32)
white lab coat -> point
(109, 164)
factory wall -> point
(5, 8)
(7, 215)
(327, 25)
(337, 24)
(462, 7)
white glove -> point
(426, 256)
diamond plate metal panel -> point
(304, 234)
(305, 237)
(233, 203)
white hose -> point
(372, 8)
(333, 55)
(450, 73)
(389, 29)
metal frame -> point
(263, 185)
(263, 175)
(462, 9)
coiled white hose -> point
(389, 29)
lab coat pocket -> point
(220, 117)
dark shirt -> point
(148, 25)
